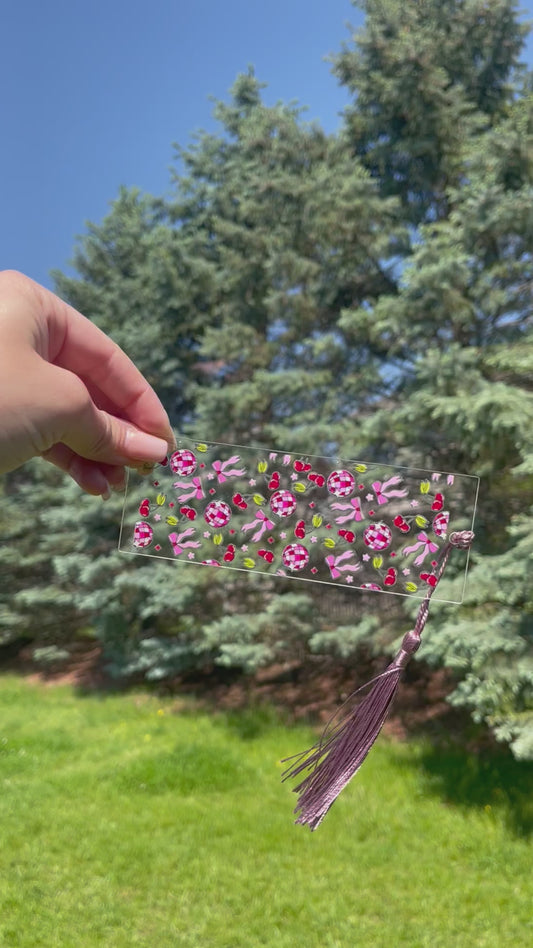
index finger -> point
(76, 344)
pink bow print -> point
(336, 570)
(427, 547)
(221, 469)
(265, 524)
(355, 511)
(194, 487)
(176, 539)
(383, 492)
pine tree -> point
(426, 76)
(293, 231)
(367, 293)
(443, 117)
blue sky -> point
(94, 93)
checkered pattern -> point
(440, 524)
(182, 462)
(142, 534)
(378, 536)
(295, 557)
(341, 483)
(217, 514)
(283, 503)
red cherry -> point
(299, 530)
(301, 466)
(401, 524)
(239, 501)
(273, 483)
(229, 555)
(429, 578)
(349, 536)
(390, 578)
(316, 478)
(267, 555)
(438, 502)
(144, 507)
(188, 512)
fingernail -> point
(145, 447)
(107, 493)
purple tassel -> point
(337, 757)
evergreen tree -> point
(458, 330)
(426, 76)
(293, 231)
(367, 293)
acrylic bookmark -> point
(325, 520)
(328, 520)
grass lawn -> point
(126, 823)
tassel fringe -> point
(337, 756)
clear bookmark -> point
(327, 520)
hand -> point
(70, 394)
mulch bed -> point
(311, 692)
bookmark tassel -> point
(343, 747)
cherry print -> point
(267, 555)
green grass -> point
(123, 823)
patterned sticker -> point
(329, 520)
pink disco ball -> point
(341, 483)
(182, 462)
(217, 514)
(283, 503)
(377, 536)
(295, 557)
(440, 524)
(142, 534)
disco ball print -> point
(348, 523)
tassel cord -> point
(337, 756)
